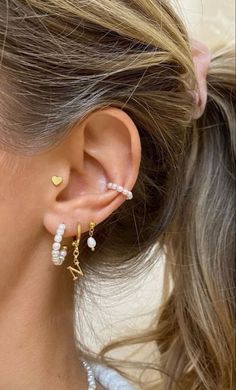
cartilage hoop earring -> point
(91, 240)
(124, 191)
(58, 254)
(76, 272)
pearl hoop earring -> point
(124, 191)
(58, 254)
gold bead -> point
(92, 225)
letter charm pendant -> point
(76, 272)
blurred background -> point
(212, 21)
(113, 311)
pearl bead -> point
(54, 256)
(58, 238)
(125, 192)
(114, 186)
(55, 252)
(61, 227)
(60, 232)
(58, 253)
(56, 246)
(109, 185)
(56, 262)
(91, 242)
(63, 253)
(120, 188)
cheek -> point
(11, 197)
(19, 207)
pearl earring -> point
(58, 254)
(91, 240)
(124, 191)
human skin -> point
(37, 347)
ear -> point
(104, 147)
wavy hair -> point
(61, 59)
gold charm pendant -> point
(76, 272)
(91, 242)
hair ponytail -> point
(196, 329)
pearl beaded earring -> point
(124, 191)
(58, 255)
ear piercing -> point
(56, 180)
(124, 191)
(91, 240)
(58, 254)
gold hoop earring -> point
(76, 272)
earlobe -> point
(104, 148)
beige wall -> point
(212, 21)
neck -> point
(37, 346)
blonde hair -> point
(61, 59)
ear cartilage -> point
(124, 191)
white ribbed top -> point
(109, 378)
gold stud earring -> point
(91, 240)
(75, 272)
(56, 180)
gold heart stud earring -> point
(91, 242)
(56, 180)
